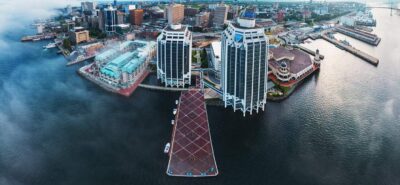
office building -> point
(88, 6)
(78, 35)
(244, 65)
(120, 17)
(110, 19)
(175, 13)
(202, 19)
(136, 16)
(219, 15)
(174, 56)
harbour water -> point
(342, 126)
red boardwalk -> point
(191, 152)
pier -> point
(353, 50)
(191, 153)
(363, 36)
(309, 51)
(46, 36)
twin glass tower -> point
(174, 56)
(244, 62)
(244, 66)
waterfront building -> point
(78, 35)
(244, 65)
(121, 67)
(136, 17)
(219, 15)
(175, 13)
(40, 28)
(110, 19)
(290, 65)
(174, 56)
(202, 19)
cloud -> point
(17, 14)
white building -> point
(244, 66)
(120, 67)
(174, 56)
(216, 55)
(347, 21)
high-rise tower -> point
(244, 49)
(110, 19)
(174, 55)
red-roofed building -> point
(290, 65)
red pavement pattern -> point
(191, 153)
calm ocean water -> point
(342, 126)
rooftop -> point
(295, 59)
(177, 28)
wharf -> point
(191, 153)
(46, 36)
(309, 51)
(363, 36)
(353, 50)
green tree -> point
(67, 44)
(204, 59)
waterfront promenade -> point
(191, 153)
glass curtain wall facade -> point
(244, 67)
(174, 51)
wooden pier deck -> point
(191, 153)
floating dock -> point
(191, 153)
(363, 36)
(353, 50)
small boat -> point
(174, 111)
(50, 45)
(166, 149)
(172, 122)
(176, 102)
(345, 42)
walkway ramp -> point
(191, 153)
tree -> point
(67, 44)
(204, 59)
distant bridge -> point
(384, 7)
